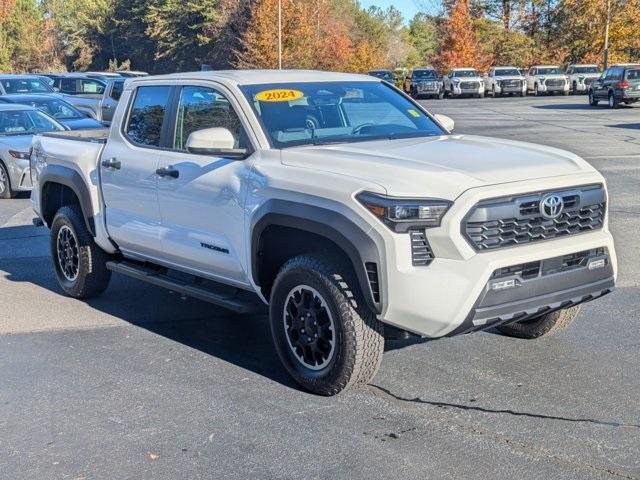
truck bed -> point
(94, 135)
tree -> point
(423, 35)
(459, 47)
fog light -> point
(599, 263)
(503, 284)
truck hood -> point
(509, 77)
(443, 166)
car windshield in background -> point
(26, 122)
(25, 85)
(507, 72)
(319, 113)
(465, 73)
(549, 71)
(56, 108)
(387, 76)
(586, 70)
(633, 75)
(424, 75)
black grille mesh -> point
(421, 254)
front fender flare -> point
(359, 247)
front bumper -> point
(441, 298)
(457, 90)
(20, 175)
(505, 87)
(544, 87)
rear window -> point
(116, 90)
(147, 115)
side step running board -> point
(235, 299)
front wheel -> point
(592, 99)
(5, 184)
(543, 326)
(325, 335)
(80, 264)
(613, 101)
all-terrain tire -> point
(92, 277)
(543, 326)
(358, 335)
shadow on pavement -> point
(566, 106)
(631, 126)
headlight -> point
(19, 155)
(401, 214)
(37, 164)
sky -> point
(408, 7)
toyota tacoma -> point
(336, 200)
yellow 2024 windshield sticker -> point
(279, 95)
(413, 113)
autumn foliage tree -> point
(459, 46)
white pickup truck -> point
(335, 199)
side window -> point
(202, 107)
(116, 90)
(92, 86)
(68, 85)
(146, 117)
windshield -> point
(549, 71)
(317, 113)
(633, 74)
(507, 72)
(26, 122)
(424, 74)
(56, 108)
(25, 85)
(384, 75)
(465, 73)
(592, 69)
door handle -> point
(111, 164)
(169, 171)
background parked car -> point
(424, 82)
(131, 73)
(104, 76)
(463, 81)
(385, 75)
(18, 124)
(505, 80)
(100, 106)
(618, 84)
(55, 107)
(581, 76)
(23, 84)
(543, 79)
(75, 84)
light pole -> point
(279, 34)
(606, 36)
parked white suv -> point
(335, 199)
(505, 80)
(547, 79)
(463, 81)
(581, 77)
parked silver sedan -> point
(18, 124)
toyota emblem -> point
(551, 206)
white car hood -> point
(509, 77)
(442, 167)
(466, 79)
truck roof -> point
(253, 77)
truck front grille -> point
(554, 82)
(469, 85)
(511, 221)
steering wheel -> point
(356, 130)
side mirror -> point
(217, 142)
(446, 122)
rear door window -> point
(116, 90)
(147, 114)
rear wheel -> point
(80, 264)
(325, 335)
(5, 184)
(544, 326)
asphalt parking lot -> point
(142, 384)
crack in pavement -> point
(461, 406)
(536, 451)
